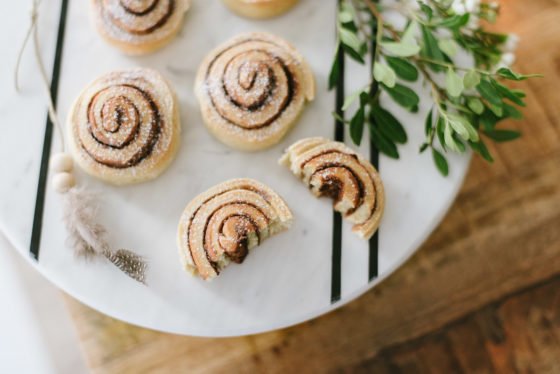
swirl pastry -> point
(252, 89)
(260, 8)
(139, 26)
(124, 127)
(332, 169)
(222, 224)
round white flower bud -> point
(508, 59)
(511, 43)
(472, 6)
(458, 7)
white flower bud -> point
(474, 22)
(472, 6)
(507, 59)
(458, 7)
(412, 4)
(511, 43)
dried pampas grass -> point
(87, 237)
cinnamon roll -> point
(252, 89)
(124, 127)
(260, 8)
(332, 169)
(139, 26)
(222, 224)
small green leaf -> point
(497, 110)
(448, 46)
(431, 49)
(355, 55)
(475, 105)
(458, 127)
(448, 137)
(404, 69)
(428, 125)
(487, 90)
(471, 79)
(346, 7)
(481, 149)
(507, 73)
(345, 16)
(410, 33)
(350, 39)
(403, 95)
(334, 74)
(384, 74)
(509, 94)
(440, 129)
(488, 120)
(351, 98)
(519, 93)
(401, 49)
(441, 162)
(472, 134)
(388, 125)
(512, 112)
(357, 126)
(427, 10)
(338, 117)
(502, 135)
(453, 83)
(459, 143)
(423, 147)
(455, 21)
(383, 144)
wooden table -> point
(482, 295)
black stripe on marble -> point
(373, 261)
(336, 268)
(35, 244)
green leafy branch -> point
(468, 103)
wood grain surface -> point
(482, 295)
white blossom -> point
(507, 59)
(511, 43)
(466, 6)
(474, 22)
(459, 7)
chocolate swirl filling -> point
(332, 169)
(228, 230)
(340, 176)
(251, 88)
(223, 224)
(123, 126)
(139, 17)
(228, 227)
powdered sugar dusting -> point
(223, 223)
(158, 20)
(124, 123)
(332, 169)
(253, 87)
